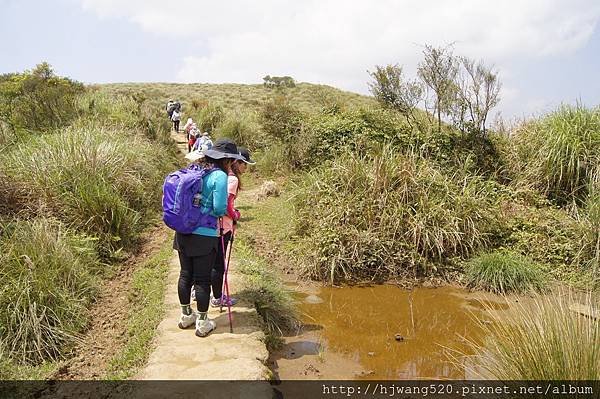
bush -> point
(38, 99)
(108, 109)
(210, 117)
(390, 215)
(95, 179)
(542, 341)
(559, 154)
(504, 272)
(47, 281)
(589, 222)
(243, 130)
(545, 234)
(273, 302)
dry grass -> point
(542, 341)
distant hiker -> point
(231, 217)
(198, 250)
(188, 125)
(192, 139)
(169, 108)
(204, 142)
(176, 117)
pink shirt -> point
(232, 188)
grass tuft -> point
(543, 341)
(504, 272)
(48, 279)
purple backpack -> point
(182, 201)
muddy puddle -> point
(382, 332)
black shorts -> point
(191, 245)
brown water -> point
(384, 332)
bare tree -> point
(438, 71)
(478, 93)
(389, 88)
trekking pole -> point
(225, 280)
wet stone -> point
(313, 299)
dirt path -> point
(179, 354)
(107, 331)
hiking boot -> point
(226, 301)
(186, 321)
(204, 327)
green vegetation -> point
(262, 287)
(542, 341)
(262, 241)
(37, 99)
(80, 178)
(96, 179)
(504, 272)
(146, 300)
(393, 215)
(48, 278)
(559, 154)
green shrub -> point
(546, 234)
(210, 117)
(280, 119)
(96, 179)
(273, 302)
(546, 340)
(242, 129)
(589, 222)
(46, 283)
(559, 154)
(390, 215)
(504, 272)
(101, 107)
(38, 99)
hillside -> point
(306, 96)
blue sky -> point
(546, 51)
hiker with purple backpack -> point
(197, 226)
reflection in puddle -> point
(395, 333)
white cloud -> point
(336, 41)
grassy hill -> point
(230, 96)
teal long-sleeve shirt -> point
(214, 200)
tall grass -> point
(96, 179)
(589, 222)
(504, 272)
(243, 129)
(560, 153)
(391, 215)
(273, 302)
(46, 282)
(543, 341)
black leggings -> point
(197, 256)
(176, 126)
(219, 267)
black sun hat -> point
(224, 148)
(246, 155)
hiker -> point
(229, 220)
(176, 118)
(204, 142)
(192, 138)
(169, 108)
(198, 251)
(188, 125)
